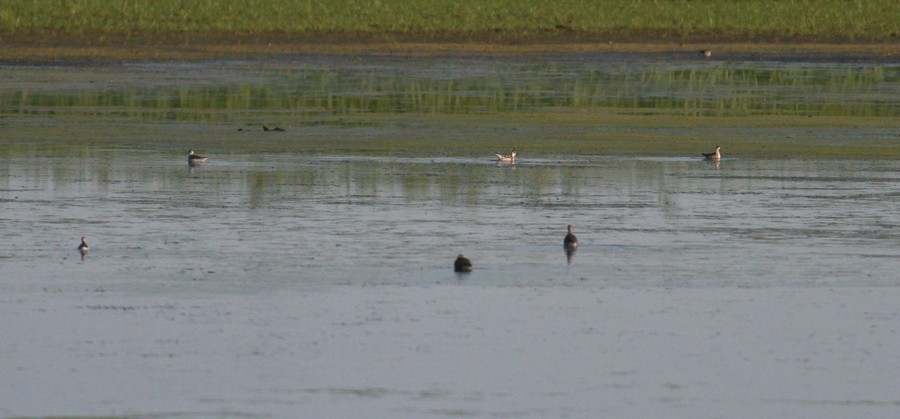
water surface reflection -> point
(274, 220)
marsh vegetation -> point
(595, 104)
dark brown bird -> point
(462, 264)
(570, 242)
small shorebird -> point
(570, 242)
(507, 158)
(268, 128)
(83, 247)
(706, 53)
(715, 155)
(194, 158)
(462, 264)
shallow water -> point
(308, 273)
(290, 219)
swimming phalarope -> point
(83, 247)
(507, 158)
(706, 53)
(714, 156)
(462, 264)
(195, 158)
(570, 242)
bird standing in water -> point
(462, 264)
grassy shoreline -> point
(42, 30)
(74, 52)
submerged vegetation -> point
(499, 20)
(474, 87)
(464, 106)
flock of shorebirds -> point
(461, 264)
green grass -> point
(726, 20)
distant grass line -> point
(473, 20)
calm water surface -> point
(309, 273)
(99, 152)
(284, 219)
